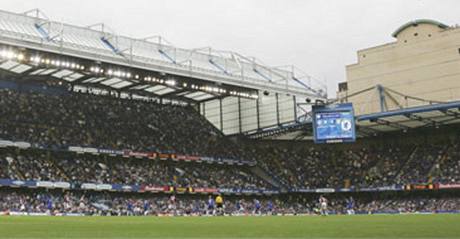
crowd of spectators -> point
(448, 169)
(116, 204)
(389, 161)
(420, 163)
(44, 165)
(361, 165)
(58, 120)
(411, 205)
(81, 119)
(306, 167)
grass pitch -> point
(358, 226)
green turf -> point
(359, 226)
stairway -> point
(59, 170)
(256, 170)
(15, 171)
(405, 165)
(432, 174)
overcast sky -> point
(319, 37)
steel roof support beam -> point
(167, 56)
(283, 129)
(240, 127)
(262, 75)
(220, 97)
(451, 113)
(443, 122)
(81, 79)
(300, 136)
(383, 104)
(174, 93)
(390, 124)
(420, 118)
(367, 130)
(304, 85)
(131, 86)
(27, 72)
(218, 66)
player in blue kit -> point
(146, 207)
(350, 206)
(270, 207)
(257, 206)
(129, 209)
(211, 206)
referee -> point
(220, 205)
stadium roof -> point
(433, 115)
(216, 73)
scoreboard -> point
(334, 123)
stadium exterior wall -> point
(423, 62)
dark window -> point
(415, 34)
(343, 86)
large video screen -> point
(334, 123)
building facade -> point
(421, 67)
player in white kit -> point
(323, 205)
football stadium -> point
(105, 135)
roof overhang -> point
(102, 45)
(403, 120)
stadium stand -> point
(62, 120)
(52, 122)
(448, 169)
(364, 165)
(57, 121)
(154, 143)
(44, 165)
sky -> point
(319, 37)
